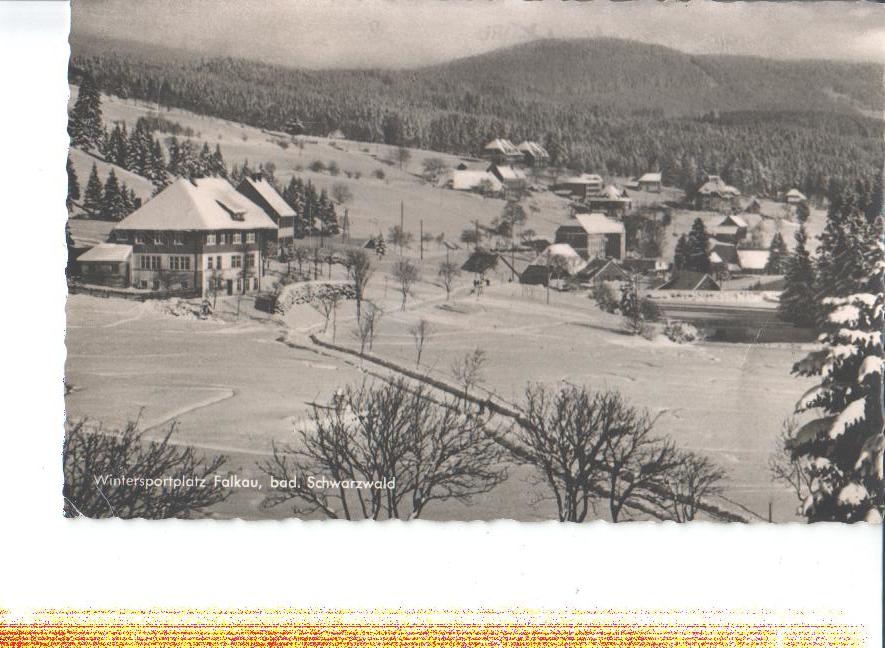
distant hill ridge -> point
(606, 72)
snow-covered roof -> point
(572, 259)
(533, 148)
(650, 177)
(270, 195)
(204, 204)
(508, 172)
(505, 146)
(612, 192)
(732, 220)
(753, 259)
(795, 193)
(469, 179)
(715, 184)
(596, 223)
(584, 178)
(107, 252)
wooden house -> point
(650, 182)
(594, 236)
(262, 193)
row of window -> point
(219, 284)
(184, 284)
(177, 238)
(236, 261)
(235, 238)
(155, 262)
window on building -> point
(158, 238)
(239, 285)
(250, 237)
(250, 260)
(255, 283)
(178, 238)
(149, 262)
(237, 238)
(222, 239)
(139, 239)
(156, 284)
(236, 261)
(208, 263)
(218, 262)
(210, 239)
(121, 237)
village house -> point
(715, 194)
(471, 180)
(689, 280)
(512, 179)
(533, 154)
(200, 236)
(753, 207)
(612, 201)
(594, 236)
(262, 193)
(501, 151)
(557, 262)
(723, 257)
(795, 197)
(650, 182)
(732, 229)
(581, 186)
(601, 270)
(106, 264)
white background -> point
(47, 561)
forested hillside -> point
(613, 107)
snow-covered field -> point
(234, 388)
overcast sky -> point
(399, 33)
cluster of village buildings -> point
(205, 236)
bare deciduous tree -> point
(367, 325)
(468, 370)
(421, 332)
(694, 478)
(787, 469)
(101, 464)
(359, 270)
(406, 274)
(448, 272)
(341, 193)
(326, 302)
(387, 451)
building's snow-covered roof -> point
(753, 259)
(274, 199)
(733, 221)
(596, 223)
(716, 185)
(795, 193)
(689, 280)
(508, 172)
(533, 148)
(469, 179)
(572, 259)
(505, 146)
(197, 205)
(650, 177)
(107, 252)
(584, 178)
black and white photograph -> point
(475, 261)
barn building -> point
(501, 151)
(715, 194)
(650, 182)
(732, 229)
(594, 236)
(533, 154)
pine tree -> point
(113, 203)
(797, 301)
(93, 197)
(841, 451)
(696, 248)
(777, 255)
(84, 125)
(73, 185)
(158, 175)
(681, 253)
(117, 150)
